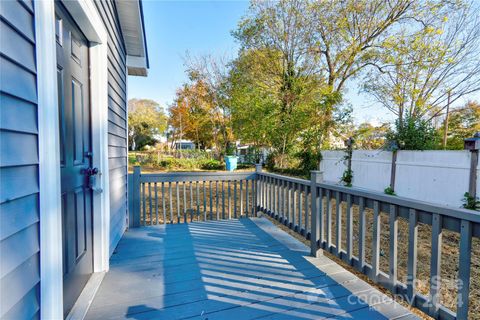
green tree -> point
(463, 123)
(275, 38)
(412, 133)
(348, 35)
(370, 137)
(145, 120)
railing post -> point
(258, 169)
(316, 177)
(135, 222)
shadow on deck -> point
(230, 269)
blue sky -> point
(175, 27)
(203, 27)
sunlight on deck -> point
(233, 269)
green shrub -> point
(470, 202)
(389, 190)
(309, 161)
(413, 133)
(347, 178)
(270, 161)
(212, 165)
(241, 166)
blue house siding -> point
(117, 121)
(19, 207)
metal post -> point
(316, 177)
(136, 197)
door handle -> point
(91, 174)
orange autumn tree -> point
(193, 115)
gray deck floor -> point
(234, 269)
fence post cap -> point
(316, 176)
(258, 167)
(136, 168)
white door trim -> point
(51, 276)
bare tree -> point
(417, 71)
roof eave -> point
(130, 14)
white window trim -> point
(89, 21)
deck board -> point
(230, 269)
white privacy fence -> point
(435, 176)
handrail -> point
(458, 213)
(196, 176)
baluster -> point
(349, 229)
(198, 199)
(338, 210)
(259, 193)
(204, 202)
(216, 199)
(393, 221)
(150, 202)
(435, 264)
(191, 201)
(361, 243)
(301, 188)
(254, 197)
(289, 204)
(184, 203)
(271, 206)
(246, 197)
(211, 200)
(171, 201)
(284, 202)
(163, 204)
(270, 197)
(275, 198)
(223, 200)
(241, 198)
(376, 241)
(144, 205)
(307, 212)
(328, 210)
(464, 269)
(307, 209)
(262, 190)
(235, 199)
(316, 194)
(228, 200)
(294, 219)
(178, 201)
(412, 255)
(156, 202)
(280, 197)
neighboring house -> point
(63, 146)
(249, 154)
(184, 145)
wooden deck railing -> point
(333, 217)
(282, 198)
(188, 196)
